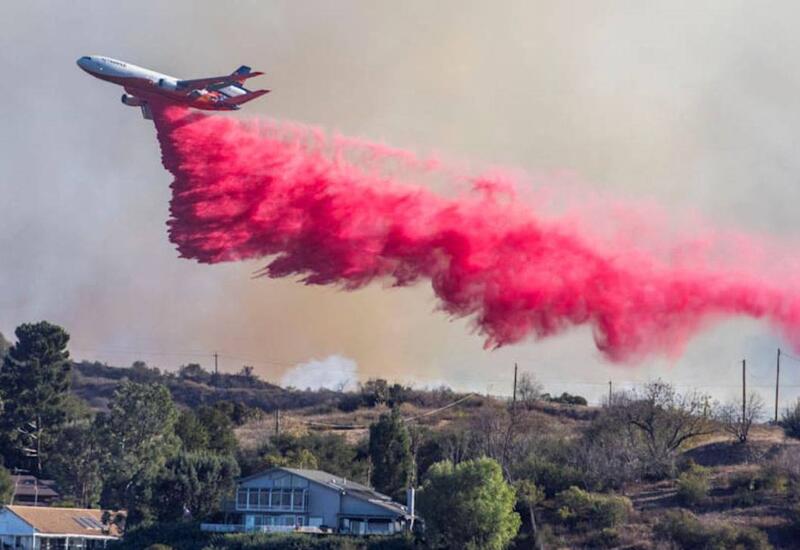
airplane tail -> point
(243, 73)
(249, 96)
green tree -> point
(302, 458)
(239, 413)
(329, 452)
(6, 486)
(191, 432)
(529, 494)
(390, 452)
(193, 371)
(78, 464)
(194, 484)
(5, 345)
(374, 391)
(139, 435)
(468, 506)
(34, 382)
(219, 427)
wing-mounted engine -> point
(131, 101)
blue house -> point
(290, 499)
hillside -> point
(190, 387)
(720, 493)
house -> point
(50, 528)
(32, 491)
(290, 499)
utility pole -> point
(216, 363)
(514, 395)
(609, 393)
(777, 383)
(277, 422)
(744, 390)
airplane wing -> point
(249, 96)
(236, 77)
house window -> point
(241, 499)
(378, 527)
(286, 499)
(253, 500)
(299, 502)
(263, 498)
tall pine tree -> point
(390, 452)
(34, 383)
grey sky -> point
(689, 104)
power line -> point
(434, 411)
(790, 356)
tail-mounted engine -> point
(168, 84)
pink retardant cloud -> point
(313, 207)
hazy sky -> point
(689, 104)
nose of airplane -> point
(84, 62)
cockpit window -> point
(86, 58)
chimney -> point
(411, 507)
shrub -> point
(256, 541)
(468, 505)
(349, 402)
(176, 535)
(605, 538)
(552, 477)
(750, 488)
(566, 399)
(693, 485)
(790, 420)
(577, 507)
(682, 528)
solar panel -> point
(88, 522)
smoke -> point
(334, 373)
(334, 211)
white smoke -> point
(334, 373)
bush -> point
(790, 420)
(693, 485)
(577, 507)
(349, 402)
(605, 538)
(566, 399)
(686, 531)
(552, 477)
(468, 505)
(175, 535)
(257, 541)
(750, 488)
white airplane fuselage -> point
(143, 85)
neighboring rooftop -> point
(66, 521)
(30, 488)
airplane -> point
(216, 93)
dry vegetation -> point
(656, 469)
(745, 484)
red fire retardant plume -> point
(316, 208)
